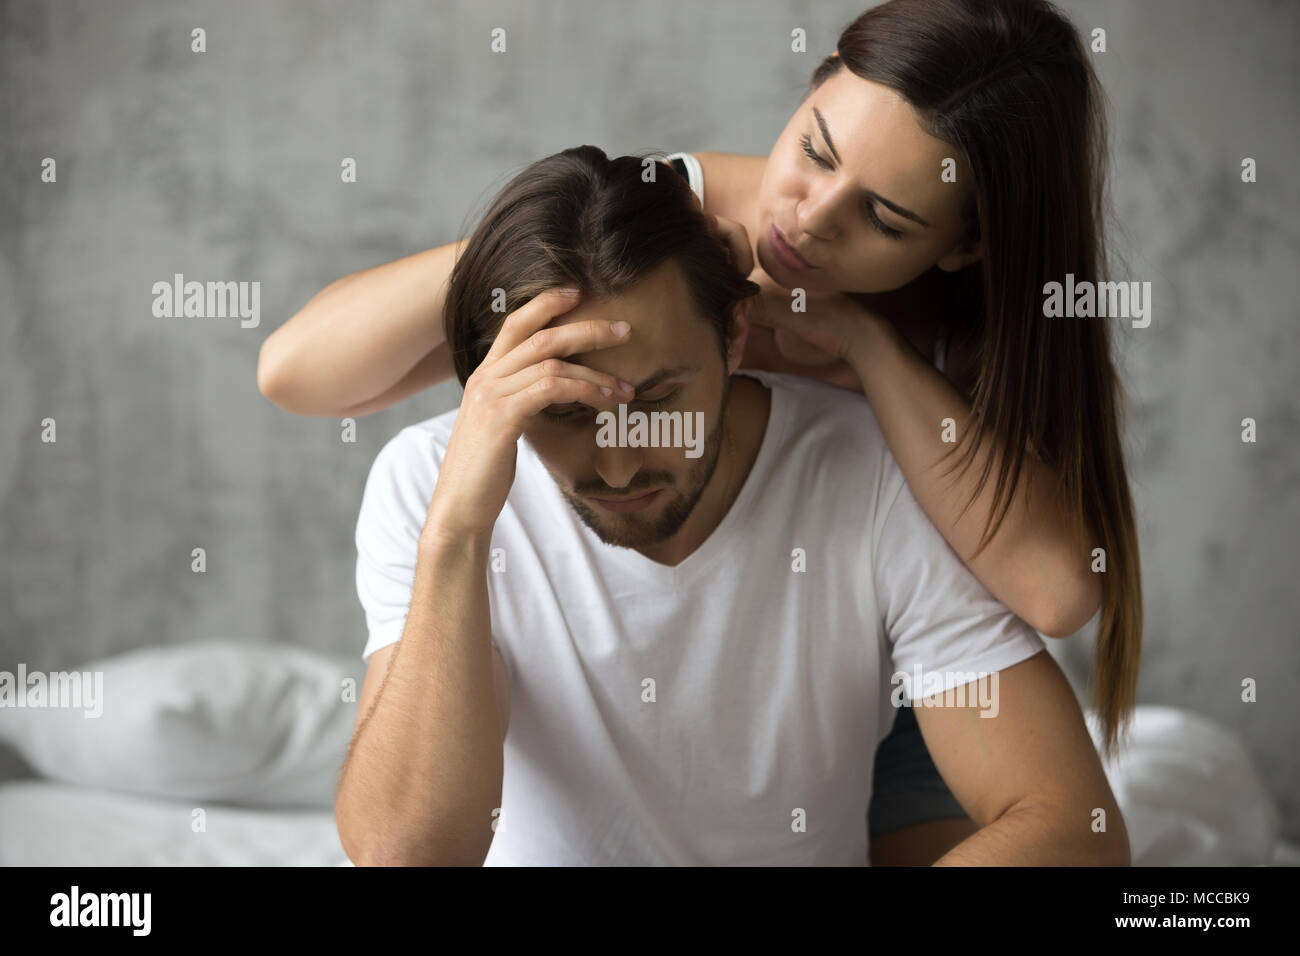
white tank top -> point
(690, 167)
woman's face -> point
(854, 186)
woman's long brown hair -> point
(1010, 85)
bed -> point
(227, 753)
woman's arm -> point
(363, 342)
(1038, 563)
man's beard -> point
(630, 530)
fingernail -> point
(568, 291)
(619, 328)
(606, 391)
(626, 386)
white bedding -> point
(1189, 793)
(59, 824)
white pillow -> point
(230, 722)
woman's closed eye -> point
(868, 209)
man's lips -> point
(788, 255)
(622, 505)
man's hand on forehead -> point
(524, 372)
(595, 328)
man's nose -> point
(617, 466)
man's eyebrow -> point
(892, 206)
(665, 373)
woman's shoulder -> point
(731, 183)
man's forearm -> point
(425, 769)
(1042, 836)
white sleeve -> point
(937, 616)
(394, 506)
(694, 173)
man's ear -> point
(739, 333)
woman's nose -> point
(817, 216)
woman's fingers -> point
(736, 239)
(528, 318)
(802, 351)
(814, 336)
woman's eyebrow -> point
(891, 206)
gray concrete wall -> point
(225, 165)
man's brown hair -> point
(581, 219)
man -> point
(588, 648)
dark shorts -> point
(907, 788)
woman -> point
(948, 162)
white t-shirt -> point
(726, 710)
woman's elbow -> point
(272, 380)
(1064, 611)
(277, 382)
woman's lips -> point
(785, 253)
(628, 504)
